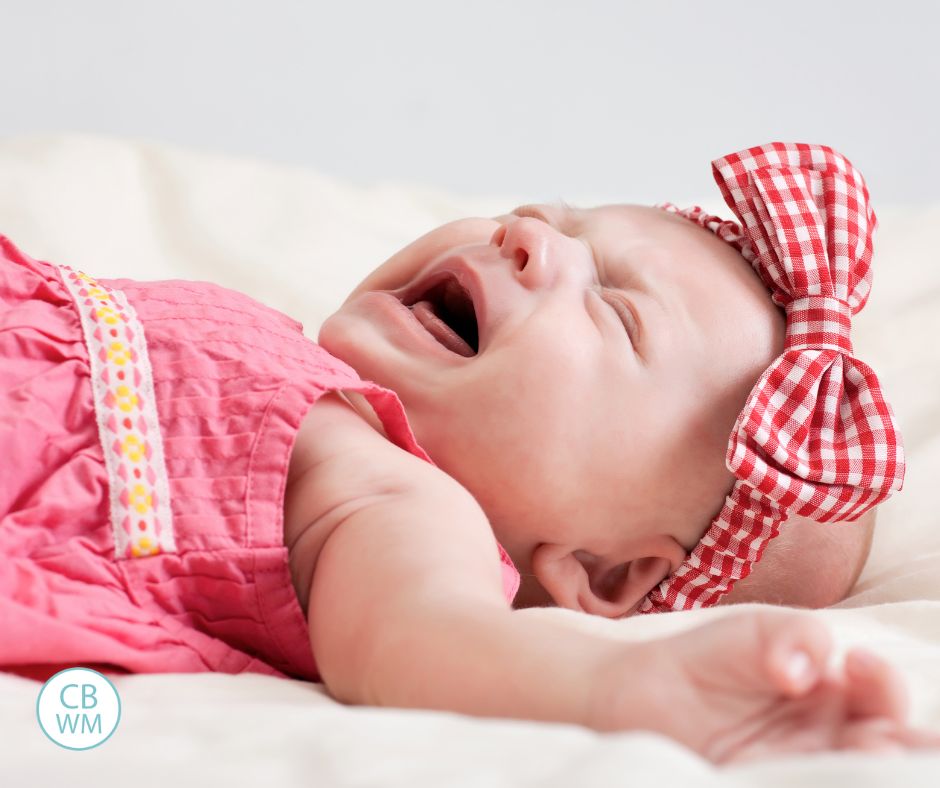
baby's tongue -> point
(442, 332)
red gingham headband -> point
(816, 437)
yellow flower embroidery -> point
(107, 315)
(126, 399)
(144, 547)
(133, 447)
(140, 498)
(119, 353)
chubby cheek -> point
(405, 265)
(513, 435)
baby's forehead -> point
(623, 210)
(646, 227)
(630, 215)
(683, 262)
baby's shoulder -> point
(340, 461)
(341, 456)
(335, 427)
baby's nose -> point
(528, 242)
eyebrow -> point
(568, 213)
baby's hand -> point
(757, 685)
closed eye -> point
(622, 309)
(626, 317)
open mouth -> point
(446, 312)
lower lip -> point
(390, 310)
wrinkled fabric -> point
(233, 379)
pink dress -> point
(145, 435)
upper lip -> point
(458, 268)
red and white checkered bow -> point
(816, 437)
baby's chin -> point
(341, 337)
(359, 344)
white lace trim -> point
(126, 412)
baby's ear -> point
(578, 580)
(617, 591)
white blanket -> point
(299, 242)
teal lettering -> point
(62, 696)
(91, 726)
(86, 693)
(70, 723)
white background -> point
(620, 100)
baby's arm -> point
(406, 609)
(406, 606)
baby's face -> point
(617, 346)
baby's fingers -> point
(883, 735)
(874, 688)
(798, 653)
(920, 739)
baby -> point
(190, 484)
